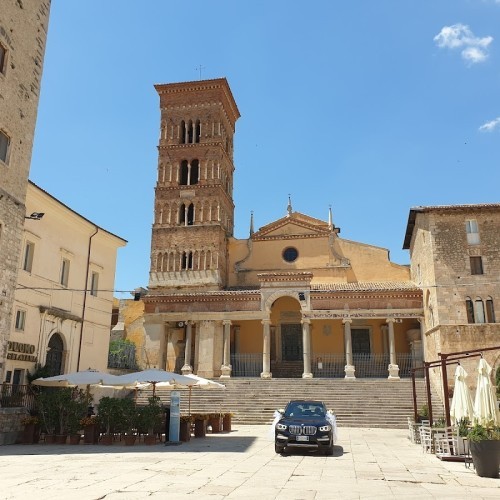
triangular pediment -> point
(294, 224)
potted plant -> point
(462, 425)
(109, 414)
(130, 419)
(75, 411)
(185, 427)
(150, 418)
(226, 421)
(485, 449)
(200, 424)
(47, 410)
(90, 425)
(30, 422)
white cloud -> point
(490, 126)
(457, 36)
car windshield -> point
(304, 410)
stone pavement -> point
(367, 463)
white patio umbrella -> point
(82, 378)
(152, 377)
(461, 404)
(485, 403)
(202, 383)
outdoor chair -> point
(426, 438)
(413, 433)
(446, 441)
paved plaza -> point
(367, 463)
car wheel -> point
(278, 448)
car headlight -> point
(281, 427)
(325, 428)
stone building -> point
(23, 32)
(293, 299)
(64, 297)
(455, 261)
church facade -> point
(293, 299)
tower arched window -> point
(194, 173)
(197, 131)
(184, 178)
(187, 260)
(190, 215)
(183, 132)
(182, 214)
(190, 132)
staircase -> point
(356, 403)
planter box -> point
(486, 457)
(215, 424)
(226, 423)
(185, 431)
(200, 428)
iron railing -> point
(17, 396)
(327, 365)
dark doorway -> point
(54, 355)
(360, 341)
(291, 342)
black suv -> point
(304, 425)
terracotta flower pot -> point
(61, 438)
(90, 434)
(130, 439)
(29, 434)
(200, 428)
(50, 438)
(215, 424)
(149, 439)
(226, 423)
(185, 431)
(107, 439)
(74, 439)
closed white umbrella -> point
(461, 404)
(485, 403)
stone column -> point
(187, 368)
(266, 349)
(226, 358)
(393, 367)
(306, 347)
(349, 368)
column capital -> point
(227, 322)
(305, 321)
(346, 320)
(390, 320)
(266, 321)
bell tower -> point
(194, 209)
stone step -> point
(357, 403)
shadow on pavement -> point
(338, 451)
(230, 442)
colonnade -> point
(393, 368)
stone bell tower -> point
(194, 209)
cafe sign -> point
(21, 352)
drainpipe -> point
(85, 297)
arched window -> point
(470, 310)
(183, 132)
(479, 310)
(190, 214)
(195, 172)
(490, 310)
(55, 350)
(187, 260)
(190, 133)
(184, 180)
(197, 133)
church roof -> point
(312, 225)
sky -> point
(370, 107)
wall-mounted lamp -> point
(302, 296)
(35, 216)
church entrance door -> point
(291, 342)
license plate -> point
(302, 438)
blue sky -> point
(371, 107)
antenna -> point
(199, 68)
